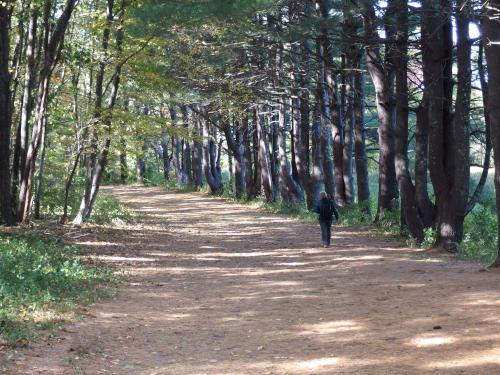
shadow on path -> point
(220, 288)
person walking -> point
(326, 210)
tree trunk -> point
(409, 207)
(388, 189)
(257, 171)
(29, 83)
(460, 192)
(41, 169)
(308, 181)
(352, 59)
(317, 156)
(290, 191)
(426, 207)
(176, 148)
(123, 161)
(140, 167)
(273, 122)
(247, 159)
(94, 174)
(211, 161)
(67, 187)
(235, 145)
(325, 119)
(197, 155)
(437, 62)
(27, 102)
(263, 159)
(5, 119)
(361, 159)
(491, 36)
(186, 157)
(476, 196)
(51, 57)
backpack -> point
(325, 209)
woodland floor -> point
(220, 288)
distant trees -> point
(298, 97)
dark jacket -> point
(333, 209)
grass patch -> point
(42, 281)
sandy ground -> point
(219, 288)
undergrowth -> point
(42, 281)
(106, 210)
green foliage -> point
(40, 276)
(429, 237)
(108, 210)
(355, 215)
(481, 234)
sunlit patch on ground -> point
(422, 342)
(223, 289)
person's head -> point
(322, 195)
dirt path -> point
(218, 288)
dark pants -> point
(326, 233)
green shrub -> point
(480, 234)
(39, 274)
(355, 215)
(429, 237)
(108, 210)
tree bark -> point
(460, 192)
(426, 207)
(6, 216)
(51, 57)
(409, 207)
(352, 57)
(263, 158)
(211, 160)
(476, 195)
(123, 160)
(332, 133)
(186, 157)
(27, 101)
(235, 145)
(94, 174)
(197, 154)
(380, 75)
(491, 37)
(247, 159)
(322, 96)
(437, 63)
(176, 148)
(290, 191)
(41, 170)
(361, 159)
(302, 146)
